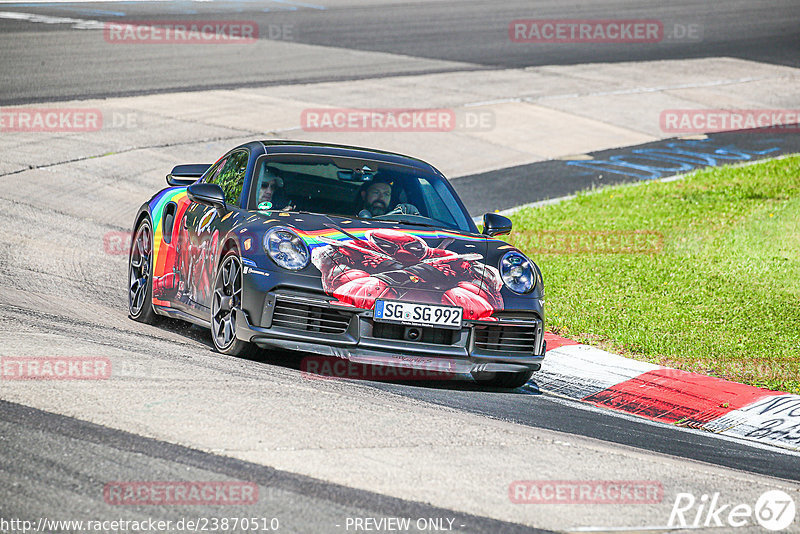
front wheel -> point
(504, 380)
(227, 297)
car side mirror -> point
(208, 194)
(494, 224)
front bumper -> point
(300, 322)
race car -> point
(338, 251)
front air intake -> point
(309, 317)
(522, 339)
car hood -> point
(360, 261)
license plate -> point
(412, 313)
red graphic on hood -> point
(390, 264)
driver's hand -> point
(405, 209)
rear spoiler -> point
(187, 174)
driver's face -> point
(268, 189)
(377, 198)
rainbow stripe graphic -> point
(311, 237)
(164, 256)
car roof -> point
(327, 149)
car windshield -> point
(357, 188)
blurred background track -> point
(344, 40)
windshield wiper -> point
(436, 224)
(416, 223)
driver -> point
(271, 194)
(376, 196)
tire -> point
(505, 380)
(140, 275)
(227, 296)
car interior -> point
(322, 186)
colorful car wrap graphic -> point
(400, 265)
(166, 265)
(357, 264)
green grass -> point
(718, 294)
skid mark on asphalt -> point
(512, 187)
(675, 157)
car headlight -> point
(517, 272)
(286, 248)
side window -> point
(434, 204)
(230, 176)
(212, 175)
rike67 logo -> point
(774, 510)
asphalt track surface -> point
(72, 460)
(69, 63)
(59, 455)
(552, 413)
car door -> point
(202, 229)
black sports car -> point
(340, 251)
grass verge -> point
(700, 274)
